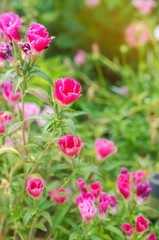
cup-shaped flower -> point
(87, 210)
(84, 197)
(81, 185)
(58, 196)
(80, 57)
(67, 91)
(123, 178)
(95, 189)
(141, 224)
(6, 54)
(104, 148)
(137, 34)
(142, 192)
(9, 25)
(26, 50)
(125, 190)
(138, 176)
(128, 229)
(35, 187)
(69, 145)
(144, 6)
(152, 236)
(7, 92)
(103, 204)
(113, 203)
(38, 38)
(4, 120)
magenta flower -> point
(142, 192)
(67, 91)
(104, 148)
(38, 38)
(152, 236)
(81, 185)
(44, 113)
(113, 203)
(7, 92)
(124, 186)
(9, 25)
(87, 210)
(4, 120)
(137, 34)
(26, 50)
(69, 145)
(80, 57)
(103, 204)
(138, 176)
(92, 3)
(128, 229)
(35, 187)
(125, 171)
(95, 189)
(123, 177)
(144, 6)
(60, 199)
(6, 54)
(141, 224)
(79, 200)
(84, 197)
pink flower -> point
(4, 120)
(123, 90)
(143, 191)
(38, 38)
(44, 113)
(35, 187)
(67, 91)
(84, 197)
(137, 34)
(125, 171)
(103, 204)
(123, 178)
(7, 91)
(141, 224)
(87, 210)
(92, 3)
(104, 148)
(79, 200)
(152, 236)
(113, 203)
(9, 25)
(80, 57)
(138, 176)
(124, 186)
(95, 189)
(128, 229)
(26, 50)
(144, 6)
(5, 54)
(69, 145)
(59, 199)
(81, 185)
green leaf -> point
(110, 165)
(28, 215)
(17, 83)
(39, 93)
(37, 117)
(42, 75)
(75, 227)
(47, 216)
(14, 127)
(45, 205)
(41, 227)
(70, 123)
(115, 230)
(89, 168)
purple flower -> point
(142, 192)
(26, 49)
(5, 54)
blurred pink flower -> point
(26, 50)
(4, 120)
(137, 34)
(92, 3)
(142, 192)
(138, 176)
(87, 210)
(103, 204)
(81, 185)
(7, 92)
(128, 229)
(104, 148)
(113, 204)
(124, 186)
(57, 197)
(35, 187)
(95, 189)
(80, 57)
(123, 90)
(9, 25)
(141, 224)
(6, 54)
(95, 48)
(144, 6)
(44, 113)
(152, 236)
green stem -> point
(23, 126)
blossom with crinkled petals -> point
(143, 191)
(128, 229)
(7, 92)
(84, 197)
(144, 6)
(26, 50)
(138, 176)
(95, 189)
(80, 57)
(104, 148)
(60, 199)
(81, 185)
(103, 204)
(6, 54)
(113, 203)
(152, 236)
(123, 185)
(35, 187)
(69, 145)
(141, 224)
(4, 120)
(10, 24)
(67, 91)
(38, 38)
(87, 210)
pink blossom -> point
(67, 91)
(144, 6)
(44, 113)
(113, 203)
(5, 54)
(141, 224)
(104, 148)
(136, 34)
(123, 90)
(38, 38)
(4, 120)
(124, 186)
(125, 171)
(80, 57)
(92, 3)
(128, 229)
(103, 204)
(138, 176)
(7, 91)
(152, 236)
(35, 187)
(55, 195)
(87, 210)
(69, 145)
(79, 200)
(123, 178)
(84, 197)
(81, 185)
(143, 191)
(26, 50)
(9, 25)
(95, 189)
